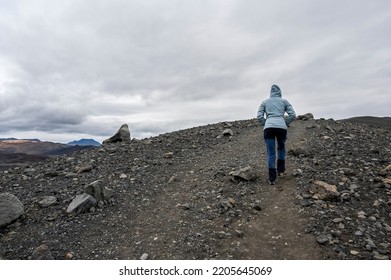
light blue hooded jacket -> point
(275, 108)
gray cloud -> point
(74, 68)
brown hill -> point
(174, 196)
(15, 152)
(30, 147)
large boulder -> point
(10, 208)
(122, 135)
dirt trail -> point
(278, 233)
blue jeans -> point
(270, 136)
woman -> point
(275, 128)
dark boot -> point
(280, 166)
(272, 176)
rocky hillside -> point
(202, 193)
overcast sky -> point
(81, 68)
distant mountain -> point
(14, 152)
(85, 142)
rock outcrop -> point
(122, 135)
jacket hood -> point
(275, 91)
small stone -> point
(337, 220)
(385, 171)
(186, 206)
(387, 181)
(226, 204)
(345, 197)
(228, 132)
(123, 176)
(42, 253)
(144, 257)
(362, 215)
(169, 155)
(172, 179)
(387, 227)
(101, 204)
(358, 233)
(378, 256)
(324, 191)
(376, 203)
(245, 173)
(222, 235)
(69, 256)
(354, 252)
(84, 168)
(257, 206)
(297, 172)
(322, 239)
(81, 203)
(305, 203)
(378, 225)
(47, 201)
(368, 247)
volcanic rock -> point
(122, 135)
(47, 201)
(83, 168)
(42, 253)
(306, 117)
(99, 191)
(323, 191)
(10, 208)
(81, 203)
(228, 132)
(385, 171)
(246, 173)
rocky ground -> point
(202, 193)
